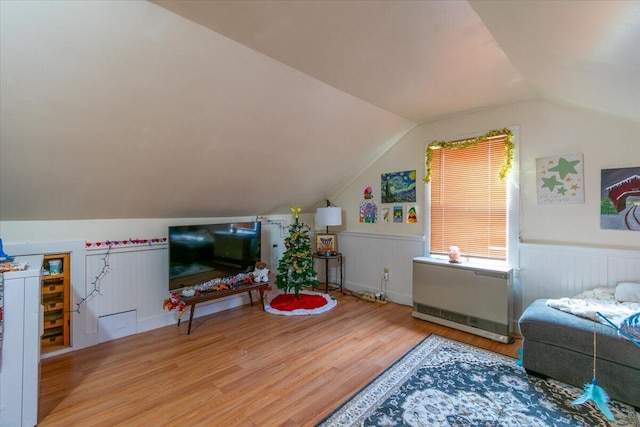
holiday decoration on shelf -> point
(295, 268)
(132, 242)
(261, 272)
(175, 302)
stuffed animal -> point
(261, 272)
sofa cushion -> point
(627, 292)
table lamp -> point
(329, 215)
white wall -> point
(123, 109)
(546, 129)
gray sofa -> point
(559, 345)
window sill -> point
(487, 264)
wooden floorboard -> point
(241, 367)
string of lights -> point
(279, 223)
(110, 244)
(96, 281)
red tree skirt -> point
(306, 303)
(289, 302)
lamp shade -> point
(330, 215)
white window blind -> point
(469, 200)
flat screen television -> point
(199, 253)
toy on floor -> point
(4, 256)
(593, 391)
(631, 323)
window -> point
(468, 201)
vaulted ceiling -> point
(425, 60)
(123, 109)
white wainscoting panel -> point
(135, 279)
(555, 271)
(624, 267)
(545, 271)
(366, 255)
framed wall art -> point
(386, 213)
(326, 242)
(398, 187)
(368, 212)
(620, 199)
(560, 179)
(398, 214)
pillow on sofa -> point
(628, 292)
(631, 326)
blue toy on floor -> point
(593, 391)
(4, 256)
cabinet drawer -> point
(52, 340)
(53, 305)
(51, 332)
(53, 323)
(52, 288)
(53, 315)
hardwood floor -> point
(241, 367)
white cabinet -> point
(20, 363)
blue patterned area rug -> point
(441, 382)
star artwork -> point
(560, 179)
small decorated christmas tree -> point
(295, 268)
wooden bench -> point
(209, 296)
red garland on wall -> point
(109, 243)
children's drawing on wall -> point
(398, 214)
(412, 216)
(620, 199)
(560, 179)
(368, 207)
(386, 213)
(398, 187)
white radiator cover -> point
(471, 298)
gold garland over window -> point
(464, 143)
